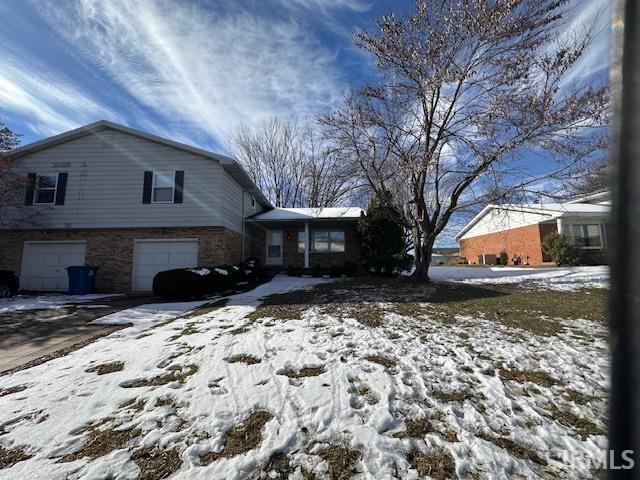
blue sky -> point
(189, 70)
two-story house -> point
(134, 204)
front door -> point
(274, 247)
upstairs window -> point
(163, 187)
(45, 189)
(587, 235)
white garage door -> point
(43, 264)
(153, 256)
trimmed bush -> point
(390, 265)
(180, 284)
(190, 283)
(561, 248)
(336, 271)
(350, 269)
(453, 261)
(316, 271)
(249, 270)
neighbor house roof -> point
(551, 210)
(231, 165)
(306, 214)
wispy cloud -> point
(51, 103)
(203, 70)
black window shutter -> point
(61, 188)
(31, 188)
(177, 195)
(146, 191)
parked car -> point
(8, 283)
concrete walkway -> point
(31, 337)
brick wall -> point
(112, 249)
(522, 241)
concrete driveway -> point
(31, 337)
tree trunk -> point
(423, 248)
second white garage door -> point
(43, 264)
(153, 256)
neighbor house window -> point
(327, 241)
(587, 235)
(163, 187)
(46, 188)
(301, 241)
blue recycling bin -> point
(82, 279)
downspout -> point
(242, 230)
(306, 245)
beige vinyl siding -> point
(233, 206)
(105, 183)
(232, 203)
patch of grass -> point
(136, 406)
(386, 362)
(366, 313)
(517, 450)
(10, 456)
(535, 376)
(106, 368)
(176, 373)
(239, 330)
(415, 428)
(458, 396)
(10, 390)
(206, 308)
(583, 427)
(365, 392)
(438, 464)
(101, 441)
(305, 372)
(279, 467)
(342, 461)
(449, 435)
(189, 329)
(241, 438)
(244, 358)
(156, 463)
(578, 397)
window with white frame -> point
(326, 241)
(301, 241)
(163, 187)
(587, 235)
(45, 189)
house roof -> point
(552, 210)
(237, 172)
(306, 214)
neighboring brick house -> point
(517, 230)
(133, 204)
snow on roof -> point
(321, 213)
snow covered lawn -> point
(364, 378)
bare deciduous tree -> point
(293, 164)
(467, 89)
(11, 182)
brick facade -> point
(112, 249)
(522, 241)
(291, 256)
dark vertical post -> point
(625, 241)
